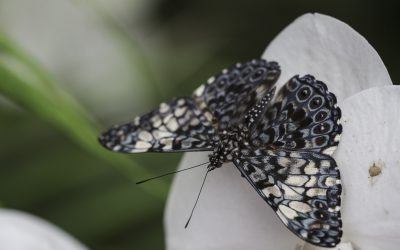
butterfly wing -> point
(302, 187)
(227, 96)
(173, 127)
(193, 123)
(287, 158)
(303, 116)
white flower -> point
(21, 231)
(231, 215)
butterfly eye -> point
(303, 94)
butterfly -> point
(281, 143)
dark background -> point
(54, 168)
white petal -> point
(371, 138)
(229, 215)
(21, 231)
(340, 246)
(331, 51)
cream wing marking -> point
(307, 202)
(175, 126)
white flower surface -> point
(331, 51)
(231, 215)
(21, 231)
(369, 160)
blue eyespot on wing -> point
(304, 115)
(286, 158)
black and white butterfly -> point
(282, 144)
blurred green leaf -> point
(47, 175)
(23, 81)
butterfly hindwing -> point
(286, 158)
(303, 115)
(302, 187)
(227, 96)
(172, 127)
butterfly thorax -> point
(230, 139)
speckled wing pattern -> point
(172, 127)
(194, 123)
(287, 159)
(304, 115)
(229, 95)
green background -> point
(50, 162)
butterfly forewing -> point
(304, 115)
(172, 127)
(302, 187)
(194, 123)
(227, 96)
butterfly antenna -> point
(174, 172)
(197, 199)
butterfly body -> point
(227, 146)
(281, 144)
